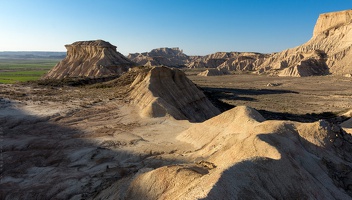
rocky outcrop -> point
(244, 62)
(328, 52)
(227, 60)
(90, 59)
(332, 20)
(330, 47)
(214, 72)
(307, 67)
(197, 64)
(174, 57)
(171, 57)
(163, 91)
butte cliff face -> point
(90, 59)
(163, 91)
(333, 35)
(328, 51)
(328, 21)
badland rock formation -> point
(171, 57)
(214, 72)
(90, 59)
(327, 52)
(163, 91)
(232, 61)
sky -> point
(199, 27)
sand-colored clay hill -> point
(163, 91)
(328, 51)
(209, 61)
(240, 155)
(214, 72)
(171, 57)
(90, 59)
(232, 61)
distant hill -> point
(31, 54)
(171, 57)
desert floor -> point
(299, 99)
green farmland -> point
(19, 70)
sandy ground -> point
(287, 98)
(78, 141)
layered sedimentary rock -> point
(328, 51)
(163, 91)
(239, 61)
(328, 21)
(90, 59)
(171, 57)
(240, 155)
(244, 62)
(306, 67)
(207, 63)
(214, 72)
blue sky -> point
(198, 27)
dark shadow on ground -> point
(43, 159)
(239, 92)
(310, 172)
(77, 81)
(215, 95)
(309, 117)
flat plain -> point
(292, 98)
(287, 98)
(20, 70)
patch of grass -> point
(20, 76)
(25, 64)
(21, 70)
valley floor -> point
(299, 99)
